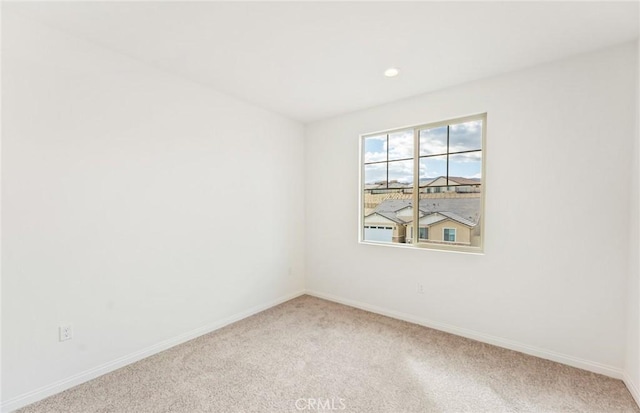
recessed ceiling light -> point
(391, 72)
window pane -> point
(432, 168)
(467, 166)
(386, 213)
(450, 234)
(375, 174)
(465, 136)
(433, 141)
(400, 173)
(375, 148)
(401, 145)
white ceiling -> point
(312, 60)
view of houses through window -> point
(438, 169)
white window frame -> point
(414, 241)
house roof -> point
(465, 210)
(388, 215)
(432, 219)
(465, 181)
(393, 205)
(457, 180)
(436, 217)
(372, 186)
(398, 185)
(458, 218)
(408, 217)
(384, 185)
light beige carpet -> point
(313, 355)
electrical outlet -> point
(65, 333)
(420, 288)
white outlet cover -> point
(65, 333)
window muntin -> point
(454, 150)
(438, 167)
(388, 158)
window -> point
(388, 162)
(449, 234)
(429, 177)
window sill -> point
(439, 248)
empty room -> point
(320, 206)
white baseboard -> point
(64, 384)
(633, 388)
(61, 385)
(485, 338)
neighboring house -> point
(454, 184)
(405, 214)
(446, 227)
(441, 220)
(384, 227)
(437, 185)
(384, 188)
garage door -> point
(375, 233)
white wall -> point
(1, 212)
(553, 279)
(128, 197)
(632, 364)
(123, 193)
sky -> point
(433, 146)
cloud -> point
(466, 157)
(433, 141)
(462, 137)
(401, 145)
(375, 156)
(467, 165)
(375, 173)
(433, 167)
(401, 171)
(375, 148)
(465, 136)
